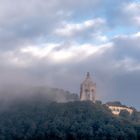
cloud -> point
(50, 52)
(132, 11)
(74, 29)
(51, 42)
(28, 22)
(114, 66)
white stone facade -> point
(117, 109)
(88, 89)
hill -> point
(42, 120)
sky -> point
(55, 42)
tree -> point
(125, 114)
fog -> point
(54, 43)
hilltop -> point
(41, 120)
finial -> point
(88, 74)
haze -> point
(55, 42)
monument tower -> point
(88, 89)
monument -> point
(87, 89)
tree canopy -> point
(42, 120)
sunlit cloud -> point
(71, 29)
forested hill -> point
(40, 120)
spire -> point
(88, 75)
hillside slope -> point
(40, 120)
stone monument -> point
(88, 89)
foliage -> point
(42, 120)
(116, 103)
(125, 114)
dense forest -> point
(39, 119)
